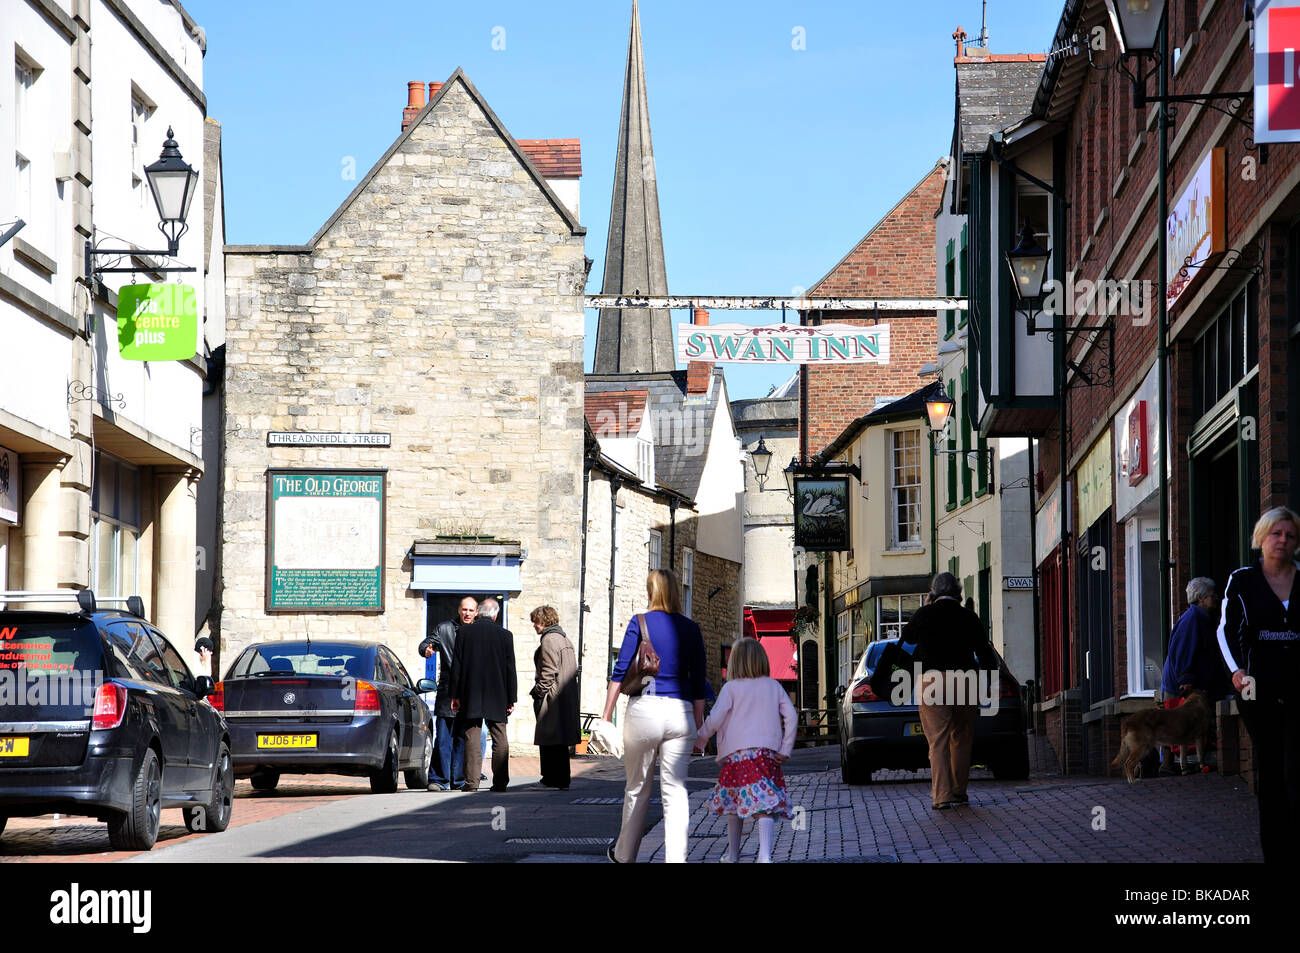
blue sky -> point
(772, 161)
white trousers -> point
(654, 726)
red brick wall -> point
(895, 260)
(1097, 153)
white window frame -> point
(844, 646)
(119, 527)
(897, 490)
(142, 108)
(688, 579)
(26, 74)
(655, 549)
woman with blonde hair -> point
(755, 724)
(1259, 638)
(662, 716)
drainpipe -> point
(1032, 479)
(614, 484)
(1162, 334)
(582, 572)
(672, 533)
(934, 529)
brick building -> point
(1231, 314)
(895, 259)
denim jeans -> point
(448, 755)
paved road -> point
(1209, 818)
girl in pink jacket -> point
(755, 724)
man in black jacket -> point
(449, 757)
(949, 638)
(483, 688)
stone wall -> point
(442, 305)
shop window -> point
(905, 496)
(844, 647)
(115, 527)
(894, 612)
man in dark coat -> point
(483, 689)
(949, 638)
(449, 755)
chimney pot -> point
(415, 95)
(433, 90)
(702, 316)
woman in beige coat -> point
(555, 698)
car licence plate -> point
(13, 747)
(286, 741)
(913, 728)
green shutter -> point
(963, 275)
(952, 463)
(949, 288)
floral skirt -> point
(749, 783)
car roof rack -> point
(84, 598)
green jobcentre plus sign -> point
(157, 322)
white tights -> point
(766, 834)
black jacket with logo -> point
(1257, 633)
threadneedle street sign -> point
(784, 344)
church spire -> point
(634, 340)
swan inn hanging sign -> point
(821, 513)
(784, 344)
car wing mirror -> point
(203, 686)
(426, 685)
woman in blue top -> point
(662, 721)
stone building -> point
(99, 456)
(420, 360)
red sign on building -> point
(1277, 71)
(1138, 459)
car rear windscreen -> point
(49, 670)
(302, 658)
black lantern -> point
(762, 458)
(939, 409)
(1137, 24)
(173, 183)
(1028, 264)
(790, 472)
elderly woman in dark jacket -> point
(555, 698)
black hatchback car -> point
(100, 716)
(875, 733)
(334, 707)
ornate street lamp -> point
(791, 472)
(762, 458)
(939, 409)
(1028, 264)
(173, 183)
(1137, 24)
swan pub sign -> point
(821, 513)
(784, 344)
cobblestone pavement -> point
(1203, 818)
(48, 839)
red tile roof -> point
(554, 158)
(615, 413)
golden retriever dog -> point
(1189, 724)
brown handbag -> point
(644, 664)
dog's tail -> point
(1123, 753)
